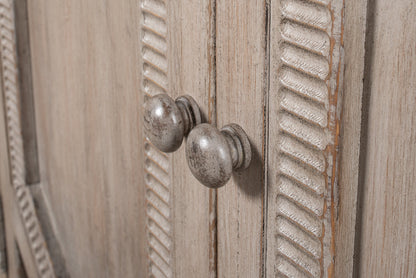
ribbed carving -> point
(304, 136)
(157, 164)
(15, 142)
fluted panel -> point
(35, 238)
(304, 136)
(157, 164)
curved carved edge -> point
(302, 200)
(11, 93)
(157, 164)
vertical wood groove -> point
(28, 121)
(212, 119)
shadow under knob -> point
(167, 122)
(213, 154)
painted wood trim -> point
(158, 193)
(34, 236)
(305, 77)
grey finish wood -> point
(387, 193)
(241, 42)
(306, 70)
(86, 80)
(175, 40)
(190, 46)
(324, 90)
(355, 14)
(91, 58)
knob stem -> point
(190, 112)
(239, 145)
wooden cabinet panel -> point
(85, 77)
(241, 98)
(387, 196)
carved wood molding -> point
(157, 164)
(10, 87)
(302, 195)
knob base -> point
(240, 145)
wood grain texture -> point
(350, 134)
(86, 68)
(305, 73)
(190, 72)
(33, 236)
(388, 221)
(241, 89)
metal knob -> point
(167, 122)
(213, 154)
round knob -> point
(213, 154)
(167, 122)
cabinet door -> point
(105, 203)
